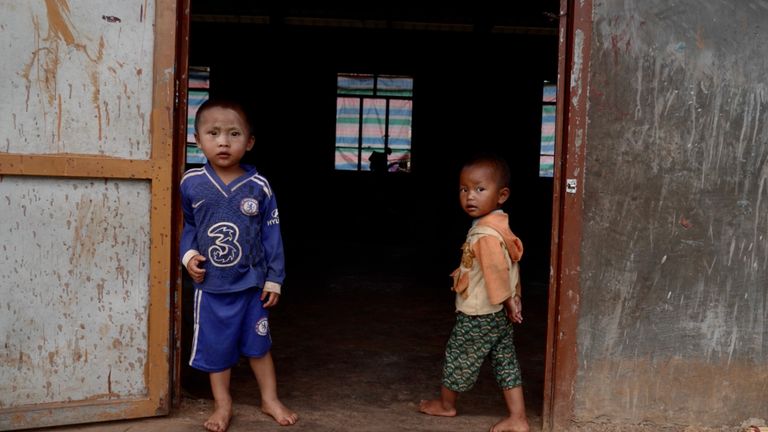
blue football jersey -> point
(235, 226)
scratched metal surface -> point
(674, 258)
(77, 77)
(73, 289)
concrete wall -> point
(672, 329)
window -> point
(199, 84)
(547, 150)
(373, 115)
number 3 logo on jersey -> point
(226, 251)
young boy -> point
(232, 248)
(487, 296)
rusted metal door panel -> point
(85, 208)
(180, 134)
(564, 290)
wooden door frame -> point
(574, 43)
(574, 37)
(179, 161)
(158, 171)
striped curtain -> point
(347, 133)
(547, 152)
(361, 120)
(199, 83)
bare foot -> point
(282, 415)
(435, 407)
(511, 424)
(219, 420)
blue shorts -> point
(227, 326)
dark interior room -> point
(366, 306)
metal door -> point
(575, 31)
(86, 149)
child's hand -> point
(273, 298)
(514, 308)
(193, 267)
(517, 315)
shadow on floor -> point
(356, 349)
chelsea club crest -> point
(249, 207)
(262, 327)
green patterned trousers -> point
(475, 337)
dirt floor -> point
(355, 350)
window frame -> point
(373, 94)
(545, 102)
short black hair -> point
(499, 165)
(223, 103)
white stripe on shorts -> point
(198, 300)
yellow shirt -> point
(489, 272)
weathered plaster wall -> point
(674, 295)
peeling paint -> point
(578, 58)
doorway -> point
(366, 308)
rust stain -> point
(143, 11)
(58, 120)
(100, 291)
(45, 59)
(77, 353)
(58, 20)
(615, 48)
(43, 66)
(685, 223)
(699, 39)
(106, 110)
(109, 382)
(101, 396)
(140, 114)
(121, 272)
(98, 115)
(24, 360)
(86, 234)
(94, 76)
